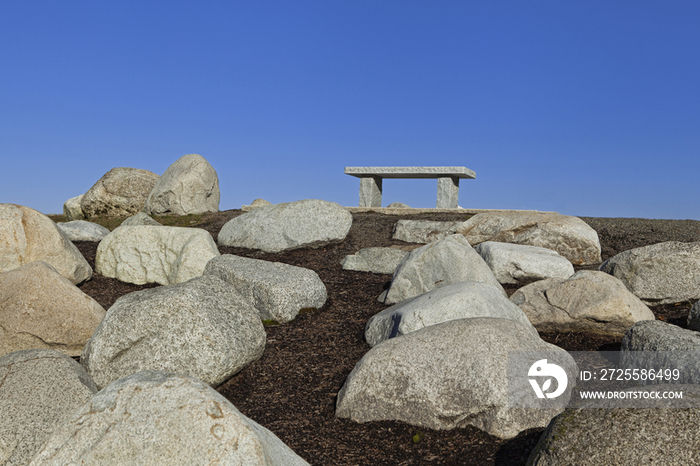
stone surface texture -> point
(277, 291)
(120, 192)
(140, 219)
(41, 309)
(27, 236)
(520, 264)
(447, 192)
(82, 230)
(423, 231)
(152, 254)
(39, 390)
(661, 273)
(441, 263)
(445, 376)
(375, 260)
(199, 328)
(189, 186)
(589, 301)
(159, 418)
(694, 317)
(622, 436)
(569, 236)
(290, 225)
(459, 300)
(398, 205)
(72, 209)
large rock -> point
(72, 209)
(41, 309)
(27, 236)
(375, 260)
(81, 230)
(199, 328)
(460, 300)
(189, 186)
(152, 254)
(139, 219)
(159, 418)
(278, 291)
(659, 345)
(622, 436)
(39, 390)
(589, 301)
(423, 231)
(661, 273)
(441, 263)
(520, 264)
(446, 376)
(569, 236)
(120, 192)
(290, 225)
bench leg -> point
(370, 191)
(447, 192)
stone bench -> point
(447, 182)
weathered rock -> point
(398, 205)
(151, 254)
(460, 300)
(41, 309)
(72, 209)
(446, 376)
(625, 436)
(189, 186)
(199, 328)
(40, 389)
(589, 301)
(569, 236)
(441, 263)
(659, 345)
(290, 225)
(423, 231)
(694, 317)
(81, 230)
(375, 260)
(661, 273)
(278, 291)
(139, 219)
(27, 236)
(160, 418)
(120, 192)
(255, 204)
(520, 264)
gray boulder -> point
(27, 236)
(660, 345)
(72, 209)
(255, 204)
(81, 230)
(290, 225)
(694, 317)
(423, 231)
(519, 264)
(39, 390)
(120, 192)
(189, 186)
(623, 436)
(661, 273)
(139, 219)
(154, 254)
(398, 205)
(278, 291)
(375, 260)
(41, 309)
(160, 418)
(446, 376)
(199, 328)
(437, 264)
(569, 236)
(459, 300)
(589, 301)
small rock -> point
(81, 230)
(423, 231)
(72, 209)
(140, 219)
(375, 260)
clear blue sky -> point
(587, 108)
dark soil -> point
(292, 388)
